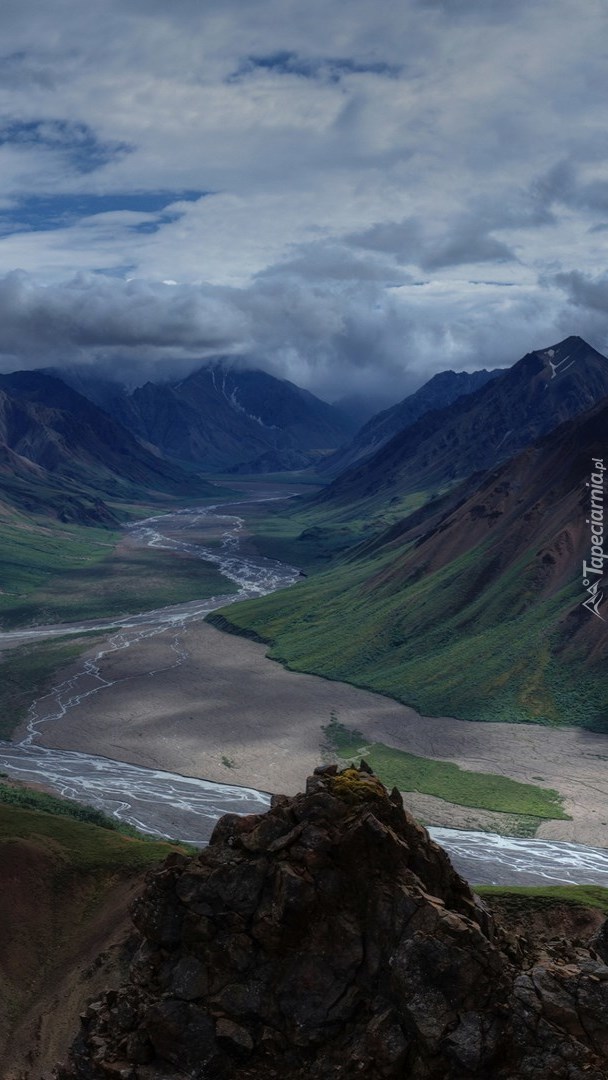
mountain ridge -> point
(540, 391)
(442, 389)
(222, 418)
(62, 455)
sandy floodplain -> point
(203, 703)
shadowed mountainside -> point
(65, 889)
(472, 605)
(222, 419)
(438, 392)
(478, 431)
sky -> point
(352, 194)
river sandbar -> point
(196, 701)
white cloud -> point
(346, 149)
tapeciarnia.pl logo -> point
(593, 571)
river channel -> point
(185, 808)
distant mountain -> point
(441, 390)
(221, 419)
(476, 432)
(473, 606)
(61, 454)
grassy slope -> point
(312, 537)
(527, 897)
(65, 891)
(55, 573)
(14, 793)
(90, 838)
(453, 643)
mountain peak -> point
(330, 937)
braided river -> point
(180, 807)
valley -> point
(438, 633)
(169, 693)
(175, 652)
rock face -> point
(331, 939)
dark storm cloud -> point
(584, 291)
(93, 313)
(338, 334)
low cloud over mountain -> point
(352, 193)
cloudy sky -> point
(354, 193)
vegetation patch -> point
(35, 551)
(12, 794)
(313, 537)
(408, 772)
(84, 846)
(57, 575)
(526, 896)
(27, 673)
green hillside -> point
(453, 642)
(52, 572)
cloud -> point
(584, 291)
(464, 241)
(88, 318)
(342, 333)
(84, 151)
(340, 190)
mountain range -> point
(438, 392)
(223, 419)
(482, 581)
(472, 605)
(479, 430)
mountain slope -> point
(221, 418)
(441, 390)
(61, 455)
(65, 889)
(478, 431)
(44, 420)
(471, 609)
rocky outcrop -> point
(330, 939)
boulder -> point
(330, 939)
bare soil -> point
(227, 713)
(61, 944)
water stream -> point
(186, 808)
